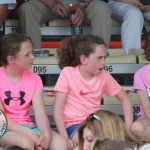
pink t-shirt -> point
(142, 82)
(16, 97)
(83, 97)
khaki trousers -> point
(34, 13)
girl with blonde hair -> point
(106, 124)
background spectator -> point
(132, 15)
(36, 12)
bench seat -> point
(139, 55)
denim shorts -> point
(72, 130)
(34, 128)
(140, 117)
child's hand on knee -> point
(44, 140)
(71, 144)
(37, 139)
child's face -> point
(96, 61)
(88, 138)
(24, 59)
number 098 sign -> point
(136, 110)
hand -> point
(37, 139)
(72, 144)
(45, 143)
(79, 14)
(145, 7)
(39, 142)
(59, 10)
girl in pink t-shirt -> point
(141, 127)
(82, 83)
(18, 88)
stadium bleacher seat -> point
(59, 27)
(139, 55)
(119, 56)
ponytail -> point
(66, 53)
(73, 47)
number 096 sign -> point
(109, 68)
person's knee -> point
(138, 128)
(64, 144)
(101, 8)
(25, 9)
(56, 138)
(135, 15)
(26, 143)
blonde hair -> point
(106, 144)
(111, 126)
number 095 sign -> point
(39, 69)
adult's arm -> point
(3, 13)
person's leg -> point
(31, 15)
(132, 23)
(147, 16)
(141, 128)
(98, 14)
(75, 137)
(58, 142)
(14, 138)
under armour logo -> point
(8, 94)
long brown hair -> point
(147, 47)
(10, 45)
(111, 126)
(73, 47)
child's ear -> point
(10, 59)
(83, 59)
